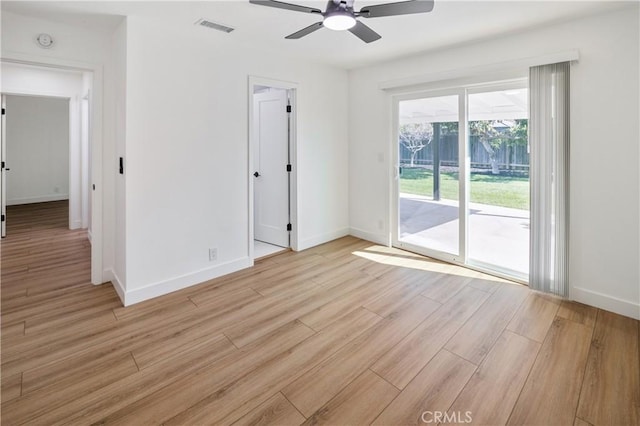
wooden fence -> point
(509, 157)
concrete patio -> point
(497, 235)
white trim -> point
(370, 236)
(269, 82)
(73, 142)
(293, 153)
(183, 281)
(292, 89)
(3, 172)
(98, 275)
(111, 275)
(464, 175)
(395, 187)
(393, 191)
(50, 62)
(38, 199)
(75, 197)
(37, 94)
(508, 67)
(323, 238)
(606, 302)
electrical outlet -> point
(213, 254)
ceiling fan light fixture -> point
(339, 15)
(339, 21)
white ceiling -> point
(451, 22)
(492, 105)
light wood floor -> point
(344, 333)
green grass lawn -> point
(496, 190)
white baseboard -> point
(118, 286)
(369, 236)
(107, 275)
(39, 199)
(89, 236)
(177, 283)
(321, 239)
(606, 302)
(76, 224)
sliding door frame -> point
(462, 171)
(464, 168)
(497, 270)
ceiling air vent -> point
(214, 26)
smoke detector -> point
(44, 40)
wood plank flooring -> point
(344, 333)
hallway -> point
(39, 241)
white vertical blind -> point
(549, 171)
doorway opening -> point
(462, 190)
(36, 136)
(271, 166)
(47, 154)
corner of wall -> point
(381, 239)
(321, 239)
(109, 275)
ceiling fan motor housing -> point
(339, 16)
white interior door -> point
(3, 176)
(270, 158)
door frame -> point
(3, 171)
(292, 90)
(98, 274)
(74, 141)
(463, 171)
(496, 270)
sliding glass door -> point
(462, 186)
(428, 198)
(498, 211)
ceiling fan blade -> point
(364, 33)
(399, 8)
(287, 6)
(305, 31)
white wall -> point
(187, 154)
(70, 42)
(604, 153)
(37, 149)
(116, 100)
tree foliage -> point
(415, 136)
(510, 132)
(493, 133)
(498, 132)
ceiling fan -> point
(339, 15)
